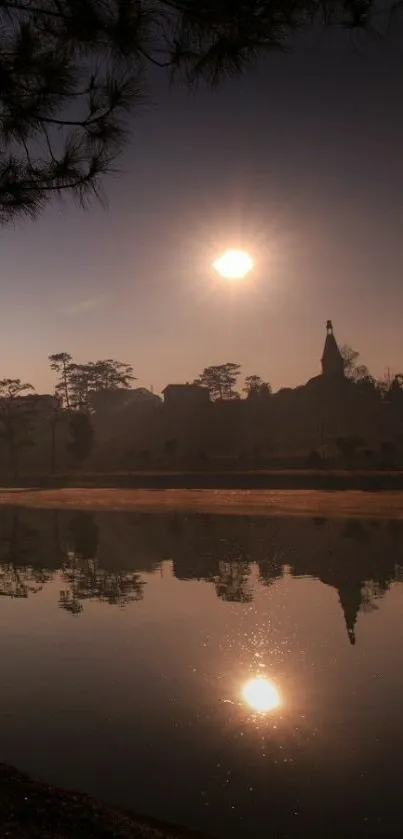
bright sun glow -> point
(233, 265)
(261, 695)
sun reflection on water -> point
(261, 695)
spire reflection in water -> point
(261, 694)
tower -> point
(332, 359)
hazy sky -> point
(300, 162)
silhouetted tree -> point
(52, 413)
(256, 388)
(74, 381)
(61, 363)
(397, 383)
(365, 382)
(221, 380)
(17, 416)
(355, 372)
(350, 357)
(392, 390)
(109, 374)
(82, 436)
(384, 383)
(77, 381)
(53, 421)
(72, 69)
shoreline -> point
(334, 504)
(31, 809)
(272, 479)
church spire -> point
(332, 359)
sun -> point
(234, 264)
(261, 694)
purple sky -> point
(300, 162)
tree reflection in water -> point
(102, 557)
(231, 584)
(83, 576)
(18, 578)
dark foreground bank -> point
(32, 810)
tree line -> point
(76, 382)
(22, 410)
(222, 379)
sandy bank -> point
(385, 505)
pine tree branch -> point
(31, 10)
(71, 70)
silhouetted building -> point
(332, 359)
(185, 396)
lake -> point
(242, 676)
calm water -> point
(127, 640)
